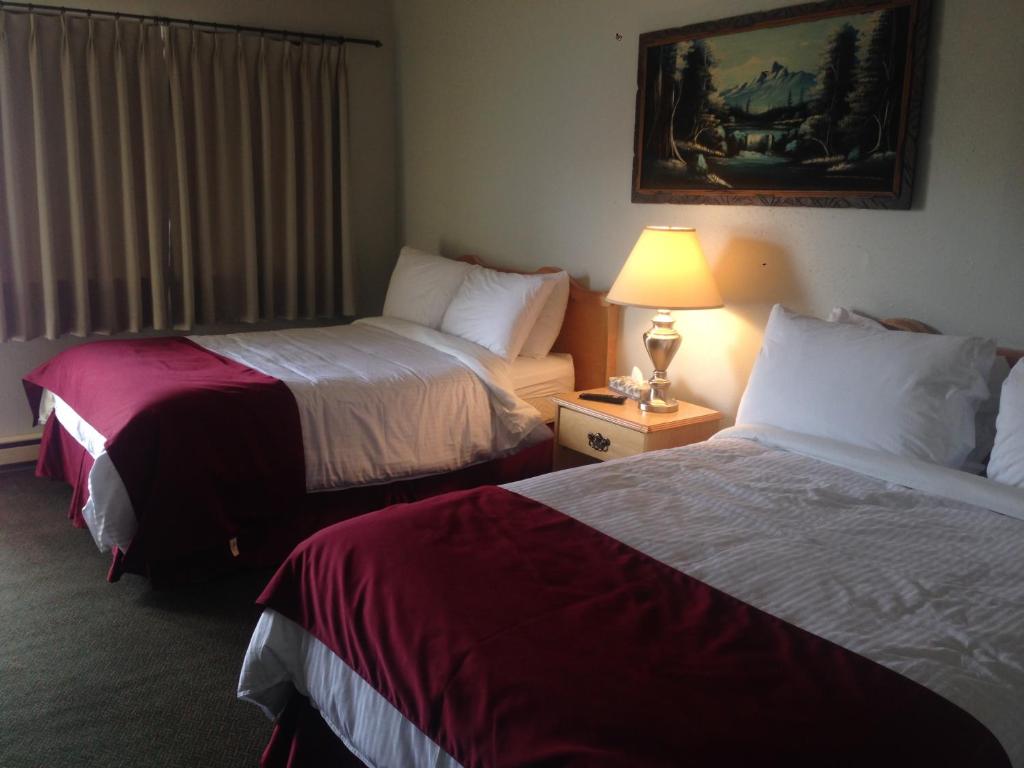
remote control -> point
(598, 397)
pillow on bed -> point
(910, 394)
(497, 310)
(422, 286)
(549, 322)
(985, 423)
(984, 420)
(1007, 462)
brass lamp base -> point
(662, 341)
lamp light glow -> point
(666, 270)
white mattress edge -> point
(289, 654)
(108, 513)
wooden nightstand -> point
(587, 431)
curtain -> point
(82, 223)
(158, 177)
(260, 128)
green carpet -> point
(98, 674)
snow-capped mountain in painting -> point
(775, 87)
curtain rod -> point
(284, 33)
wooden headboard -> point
(1013, 356)
(590, 331)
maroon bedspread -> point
(514, 635)
(203, 444)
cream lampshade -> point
(666, 270)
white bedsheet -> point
(383, 399)
(379, 400)
(928, 585)
(542, 376)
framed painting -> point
(813, 105)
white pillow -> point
(984, 420)
(549, 322)
(985, 423)
(422, 286)
(910, 394)
(497, 310)
(1007, 462)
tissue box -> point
(625, 385)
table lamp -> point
(666, 270)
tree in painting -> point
(687, 112)
(697, 113)
(837, 80)
(870, 126)
(661, 142)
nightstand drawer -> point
(596, 438)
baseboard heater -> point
(19, 449)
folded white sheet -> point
(383, 399)
(913, 473)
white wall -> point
(516, 123)
(374, 122)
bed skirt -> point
(302, 739)
(267, 544)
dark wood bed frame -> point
(1013, 356)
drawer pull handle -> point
(599, 442)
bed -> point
(770, 597)
(193, 454)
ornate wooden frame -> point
(910, 114)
